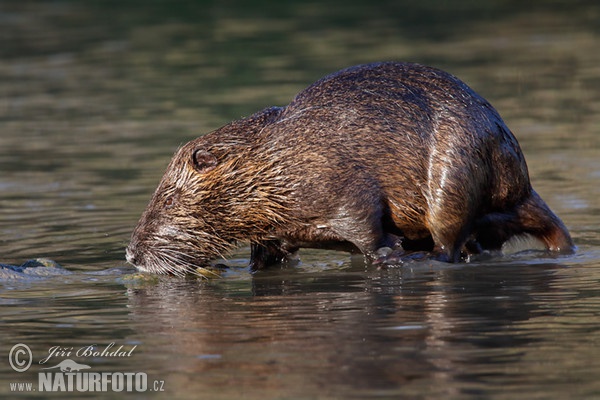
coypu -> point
(380, 156)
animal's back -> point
(426, 143)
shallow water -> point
(94, 99)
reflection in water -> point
(391, 329)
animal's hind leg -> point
(450, 222)
(449, 240)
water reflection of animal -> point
(69, 366)
(396, 157)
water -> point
(96, 96)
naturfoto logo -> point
(67, 375)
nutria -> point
(386, 155)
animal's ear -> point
(203, 160)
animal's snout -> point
(130, 256)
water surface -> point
(96, 96)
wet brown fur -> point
(378, 155)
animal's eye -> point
(204, 160)
(169, 201)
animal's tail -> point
(536, 218)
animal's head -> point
(211, 197)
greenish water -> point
(96, 96)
